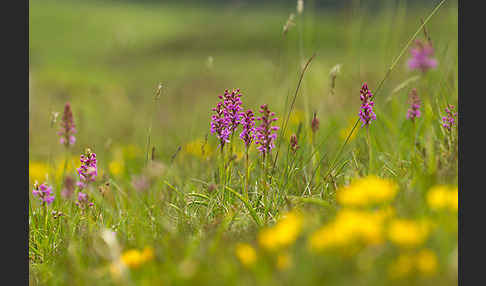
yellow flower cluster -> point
(133, 258)
(424, 262)
(246, 254)
(408, 233)
(351, 226)
(367, 191)
(443, 197)
(116, 167)
(195, 148)
(283, 234)
(38, 171)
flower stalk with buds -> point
(247, 135)
(87, 173)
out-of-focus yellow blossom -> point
(426, 262)
(343, 134)
(366, 191)
(38, 171)
(443, 197)
(116, 167)
(408, 233)
(246, 254)
(282, 234)
(403, 266)
(297, 116)
(72, 163)
(148, 254)
(283, 261)
(351, 226)
(196, 149)
(133, 258)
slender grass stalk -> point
(380, 85)
(302, 58)
(370, 151)
(222, 173)
(284, 129)
(44, 214)
(414, 130)
(247, 174)
(156, 98)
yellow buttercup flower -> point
(443, 197)
(147, 254)
(246, 254)
(426, 262)
(348, 227)
(198, 148)
(38, 171)
(284, 233)
(116, 167)
(366, 191)
(133, 258)
(408, 233)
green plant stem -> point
(247, 174)
(414, 128)
(284, 129)
(221, 172)
(158, 92)
(370, 151)
(44, 213)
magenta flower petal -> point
(265, 135)
(420, 59)
(366, 114)
(67, 127)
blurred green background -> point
(107, 58)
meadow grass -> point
(351, 206)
